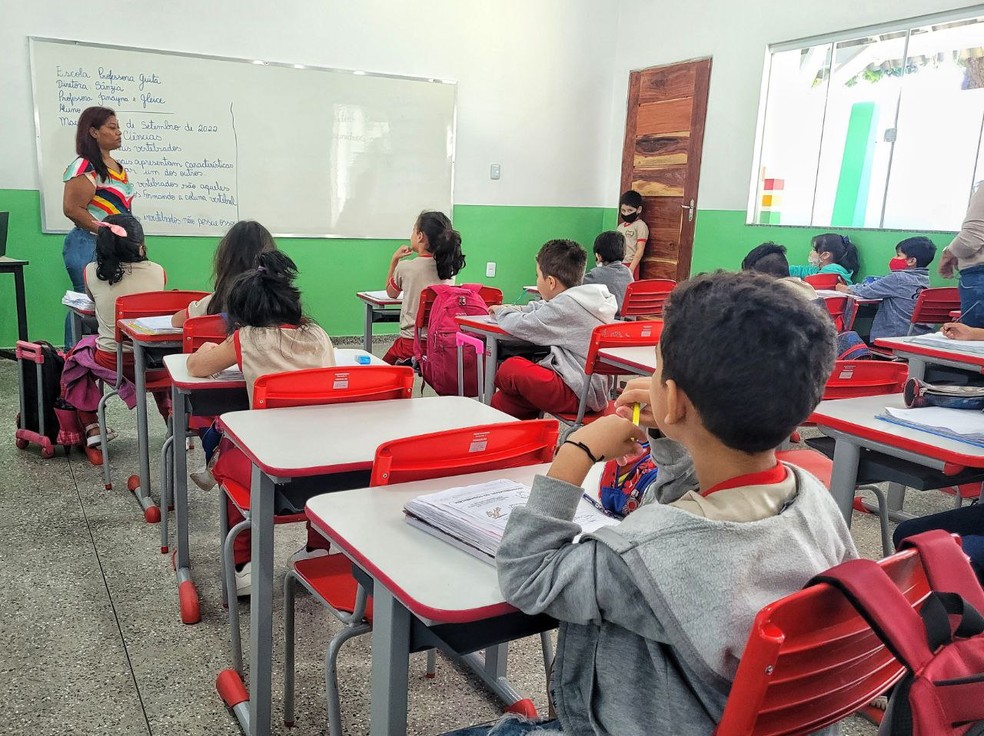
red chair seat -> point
(331, 577)
(239, 495)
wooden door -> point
(664, 133)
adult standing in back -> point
(966, 254)
(96, 186)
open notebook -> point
(937, 340)
(963, 425)
(473, 518)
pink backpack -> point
(437, 355)
(941, 645)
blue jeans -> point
(972, 296)
(79, 251)
(968, 522)
(509, 726)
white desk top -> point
(642, 359)
(531, 289)
(317, 440)
(380, 298)
(949, 350)
(177, 368)
(858, 417)
(828, 293)
(436, 581)
(483, 324)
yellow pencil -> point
(636, 409)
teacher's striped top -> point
(114, 196)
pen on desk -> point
(636, 410)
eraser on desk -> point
(363, 359)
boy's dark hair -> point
(85, 144)
(840, 247)
(564, 260)
(768, 258)
(632, 198)
(443, 242)
(266, 296)
(610, 245)
(112, 251)
(752, 359)
(237, 253)
(921, 248)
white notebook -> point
(937, 340)
(157, 324)
(381, 295)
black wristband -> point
(587, 450)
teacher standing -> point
(96, 186)
(966, 254)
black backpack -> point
(40, 385)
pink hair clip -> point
(114, 229)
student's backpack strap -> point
(946, 566)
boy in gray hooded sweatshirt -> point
(654, 612)
(562, 319)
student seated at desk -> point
(270, 334)
(831, 253)
(237, 253)
(770, 259)
(439, 259)
(654, 612)
(562, 318)
(899, 289)
(121, 267)
(609, 250)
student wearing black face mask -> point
(633, 229)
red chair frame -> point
(842, 310)
(811, 660)
(823, 281)
(348, 384)
(853, 378)
(645, 298)
(198, 330)
(933, 306)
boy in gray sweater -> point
(563, 320)
(654, 612)
(609, 250)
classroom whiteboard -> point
(208, 141)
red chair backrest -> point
(933, 306)
(349, 384)
(645, 298)
(854, 378)
(811, 660)
(620, 335)
(467, 450)
(153, 304)
(198, 330)
(840, 309)
(822, 280)
(490, 295)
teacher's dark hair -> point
(238, 252)
(443, 242)
(85, 144)
(112, 251)
(265, 296)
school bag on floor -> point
(437, 356)
(40, 365)
(941, 646)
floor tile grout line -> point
(109, 595)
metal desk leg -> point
(367, 330)
(844, 477)
(917, 367)
(390, 664)
(141, 485)
(491, 365)
(21, 303)
(261, 605)
(187, 593)
(76, 327)
(491, 669)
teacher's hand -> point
(948, 262)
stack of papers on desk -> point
(381, 295)
(156, 325)
(936, 340)
(78, 300)
(963, 425)
(473, 518)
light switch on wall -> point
(495, 171)
(490, 269)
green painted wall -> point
(722, 239)
(331, 271)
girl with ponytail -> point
(439, 259)
(831, 253)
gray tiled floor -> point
(90, 632)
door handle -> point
(690, 210)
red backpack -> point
(437, 357)
(941, 646)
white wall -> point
(534, 76)
(736, 34)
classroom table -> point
(425, 592)
(638, 360)
(308, 441)
(77, 314)
(379, 308)
(854, 425)
(919, 356)
(143, 341)
(485, 327)
(828, 293)
(209, 396)
(16, 267)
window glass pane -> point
(939, 127)
(862, 101)
(791, 135)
